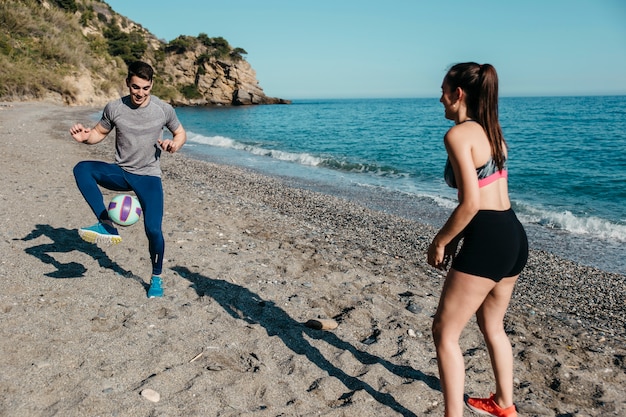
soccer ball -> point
(124, 209)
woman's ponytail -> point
(480, 84)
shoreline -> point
(248, 259)
(425, 210)
(570, 222)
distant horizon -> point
(437, 97)
(555, 95)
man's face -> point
(139, 90)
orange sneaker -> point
(489, 407)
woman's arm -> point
(460, 153)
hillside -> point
(76, 52)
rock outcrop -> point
(224, 81)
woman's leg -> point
(461, 297)
(490, 317)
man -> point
(138, 119)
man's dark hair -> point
(140, 69)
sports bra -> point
(487, 173)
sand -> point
(248, 261)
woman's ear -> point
(459, 94)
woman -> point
(495, 249)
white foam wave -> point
(566, 220)
(225, 142)
(588, 226)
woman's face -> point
(448, 99)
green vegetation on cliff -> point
(46, 46)
(39, 47)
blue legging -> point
(149, 190)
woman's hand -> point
(440, 256)
(436, 255)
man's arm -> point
(177, 142)
(83, 134)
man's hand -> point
(168, 145)
(83, 134)
(80, 133)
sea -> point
(567, 160)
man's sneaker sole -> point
(94, 237)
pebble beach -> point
(249, 261)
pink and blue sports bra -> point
(487, 173)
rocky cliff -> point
(212, 81)
(76, 51)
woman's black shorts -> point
(495, 246)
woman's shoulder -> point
(465, 132)
(457, 133)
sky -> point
(402, 48)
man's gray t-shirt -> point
(137, 130)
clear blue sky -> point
(401, 48)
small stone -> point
(322, 324)
(411, 333)
(151, 395)
(414, 308)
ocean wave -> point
(358, 167)
(303, 158)
(225, 142)
(565, 220)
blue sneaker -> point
(155, 290)
(100, 233)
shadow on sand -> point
(241, 303)
(65, 241)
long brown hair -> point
(480, 84)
